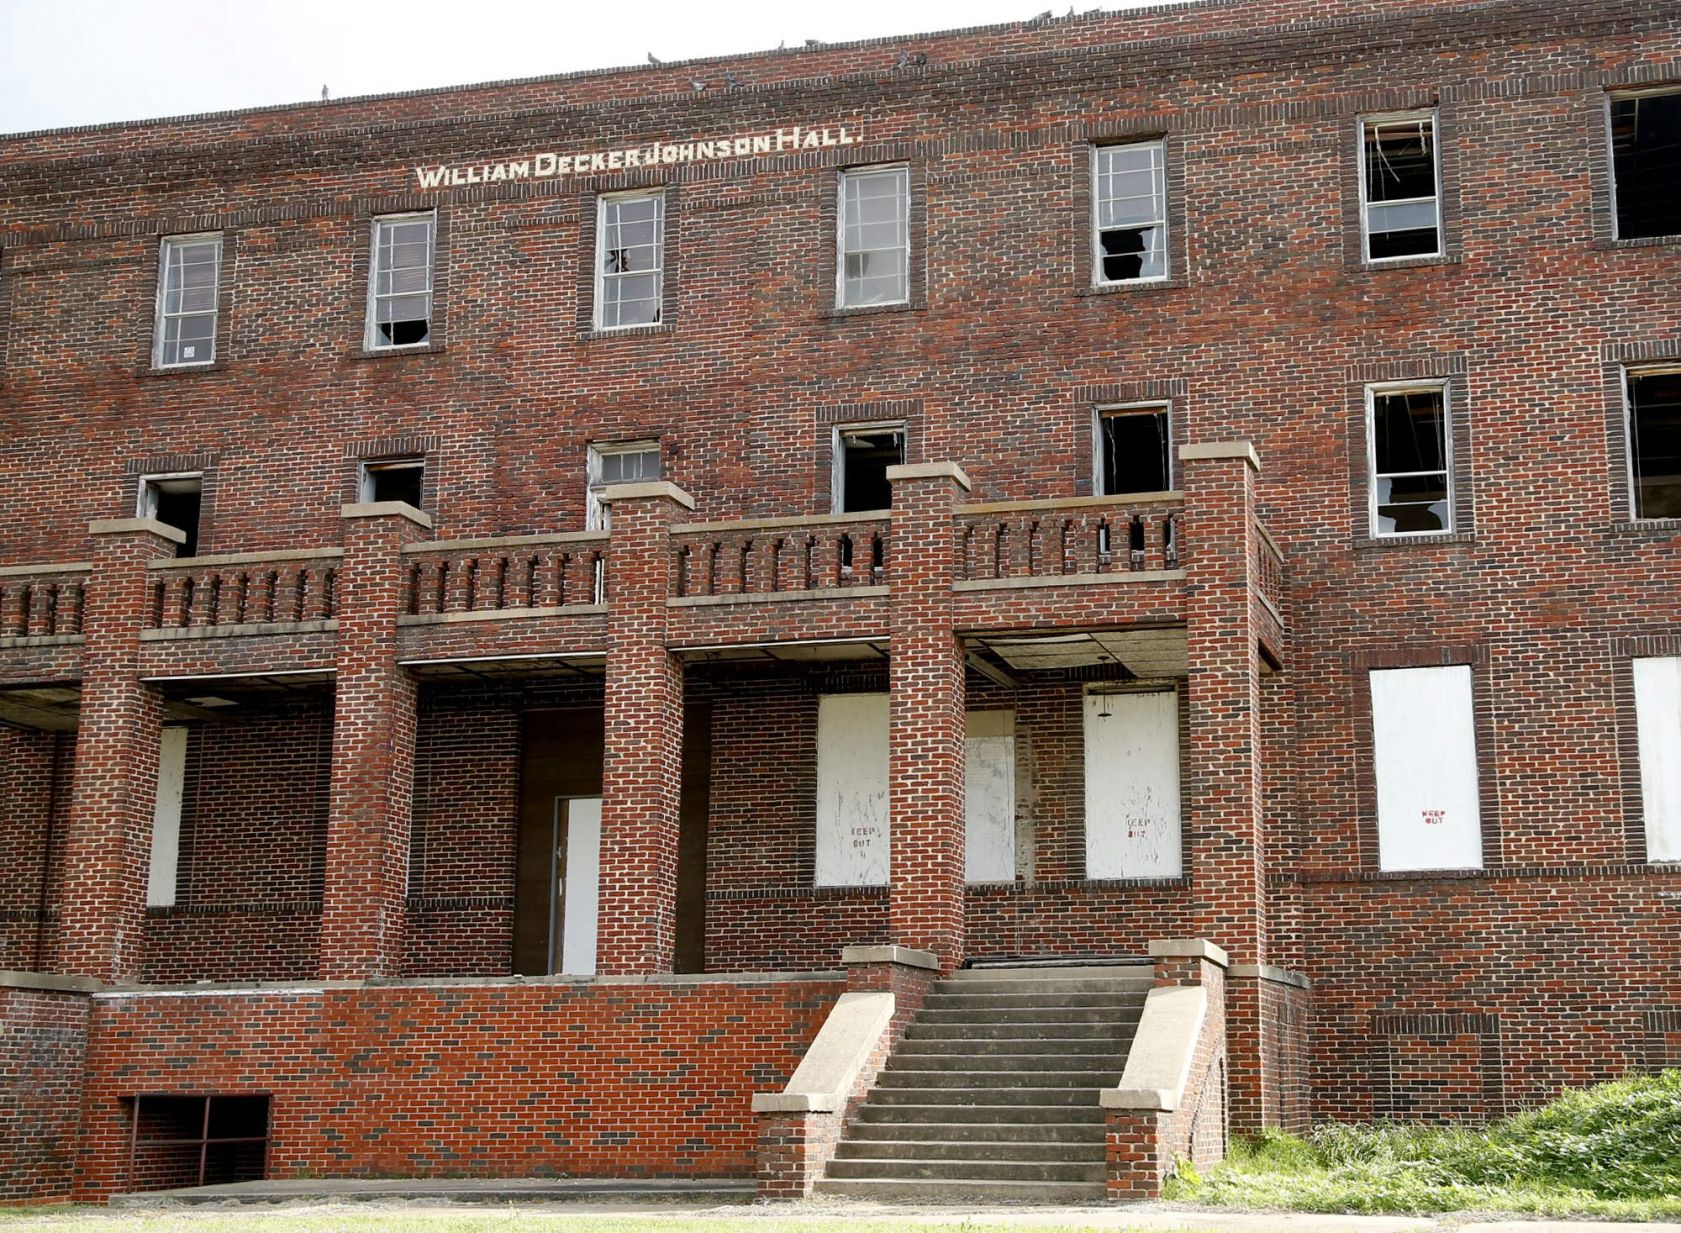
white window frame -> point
(603, 277)
(371, 339)
(1630, 372)
(365, 474)
(1164, 406)
(146, 490)
(161, 315)
(1445, 389)
(837, 458)
(903, 172)
(1613, 97)
(1159, 144)
(596, 515)
(1362, 124)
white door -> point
(989, 797)
(1132, 785)
(575, 885)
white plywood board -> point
(166, 818)
(581, 894)
(1424, 755)
(853, 839)
(989, 797)
(1657, 709)
(1132, 785)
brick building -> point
(500, 586)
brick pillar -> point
(1224, 805)
(926, 715)
(107, 840)
(642, 758)
(372, 789)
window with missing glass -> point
(189, 278)
(629, 260)
(1400, 187)
(1410, 468)
(1134, 450)
(400, 281)
(1646, 163)
(862, 456)
(1129, 212)
(394, 479)
(1654, 441)
(875, 237)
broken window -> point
(396, 479)
(875, 237)
(1424, 763)
(189, 269)
(1646, 164)
(622, 462)
(862, 456)
(400, 284)
(176, 501)
(1400, 195)
(1133, 451)
(1654, 442)
(1129, 212)
(629, 260)
(1411, 484)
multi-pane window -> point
(1654, 442)
(1400, 187)
(623, 462)
(629, 260)
(1646, 163)
(189, 271)
(1129, 212)
(394, 479)
(1133, 451)
(875, 237)
(400, 282)
(1411, 483)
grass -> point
(1611, 1152)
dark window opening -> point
(865, 456)
(176, 502)
(404, 333)
(1402, 214)
(1409, 448)
(1646, 164)
(180, 1141)
(394, 481)
(1135, 452)
(1654, 431)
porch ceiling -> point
(509, 667)
(841, 651)
(1146, 653)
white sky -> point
(65, 62)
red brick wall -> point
(43, 1050)
(560, 1080)
(30, 798)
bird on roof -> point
(698, 84)
(654, 60)
(732, 81)
(1045, 16)
(323, 94)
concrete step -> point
(1061, 1134)
(1067, 987)
(964, 1150)
(928, 1190)
(1011, 1046)
(1030, 1017)
(969, 1170)
(1038, 1004)
(1119, 1029)
(1036, 1077)
(992, 1096)
(1144, 971)
(1041, 1064)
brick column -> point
(642, 758)
(1224, 804)
(107, 840)
(926, 715)
(372, 789)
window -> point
(189, 272)
(1133, 451)
(176, 501)
(862, 456)
(989, 797)
(1657, 711)
(853, 834)
(400, 282)
(875, 237)
(1132, 785)
(624, 462)
(1424, 762)
(1411, 489)
(1654, 442)
(1129, 213)
(1400, 187)
(1646, 164)
(166, 818)
(629, 260)
(396, 479)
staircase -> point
(992, 1094)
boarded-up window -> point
(990, 797)
(166, 818)
(1657, 709)
(1424, 756)
(852, 835)
(1132, 785)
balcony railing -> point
(248, 589)
(42, 601)
(518, 574)
(1269, 570)
(1083, 537)
(819, 553)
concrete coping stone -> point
(49, 982)
(284, 988)
(1164, 1048)
(134, 526)
(852, 956)
(1221, 449)
(1188, 948)
(381, 509)
(775, 597)
(643, 491)
(1170, 497)
(1267, 971)
(776, 524)
(498, 614)
(826, 1075)
(256, 629)
(33, 571)
(1070, 580)
(508, 541)
(246, 558)
(929, 470)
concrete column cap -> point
(1222, 449)
(380, 509)
(852, 956)
(1188, 948)
(642, 491)
(929, 470)
(136, 526)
